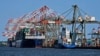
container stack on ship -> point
(45, 28)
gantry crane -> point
(78, 23)
(47, 21)
(43, 20)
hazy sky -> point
(17, 8)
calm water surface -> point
(11, 51)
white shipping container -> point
(34, 37)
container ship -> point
(45, 28)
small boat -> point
(69, 45)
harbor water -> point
(12, 51)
